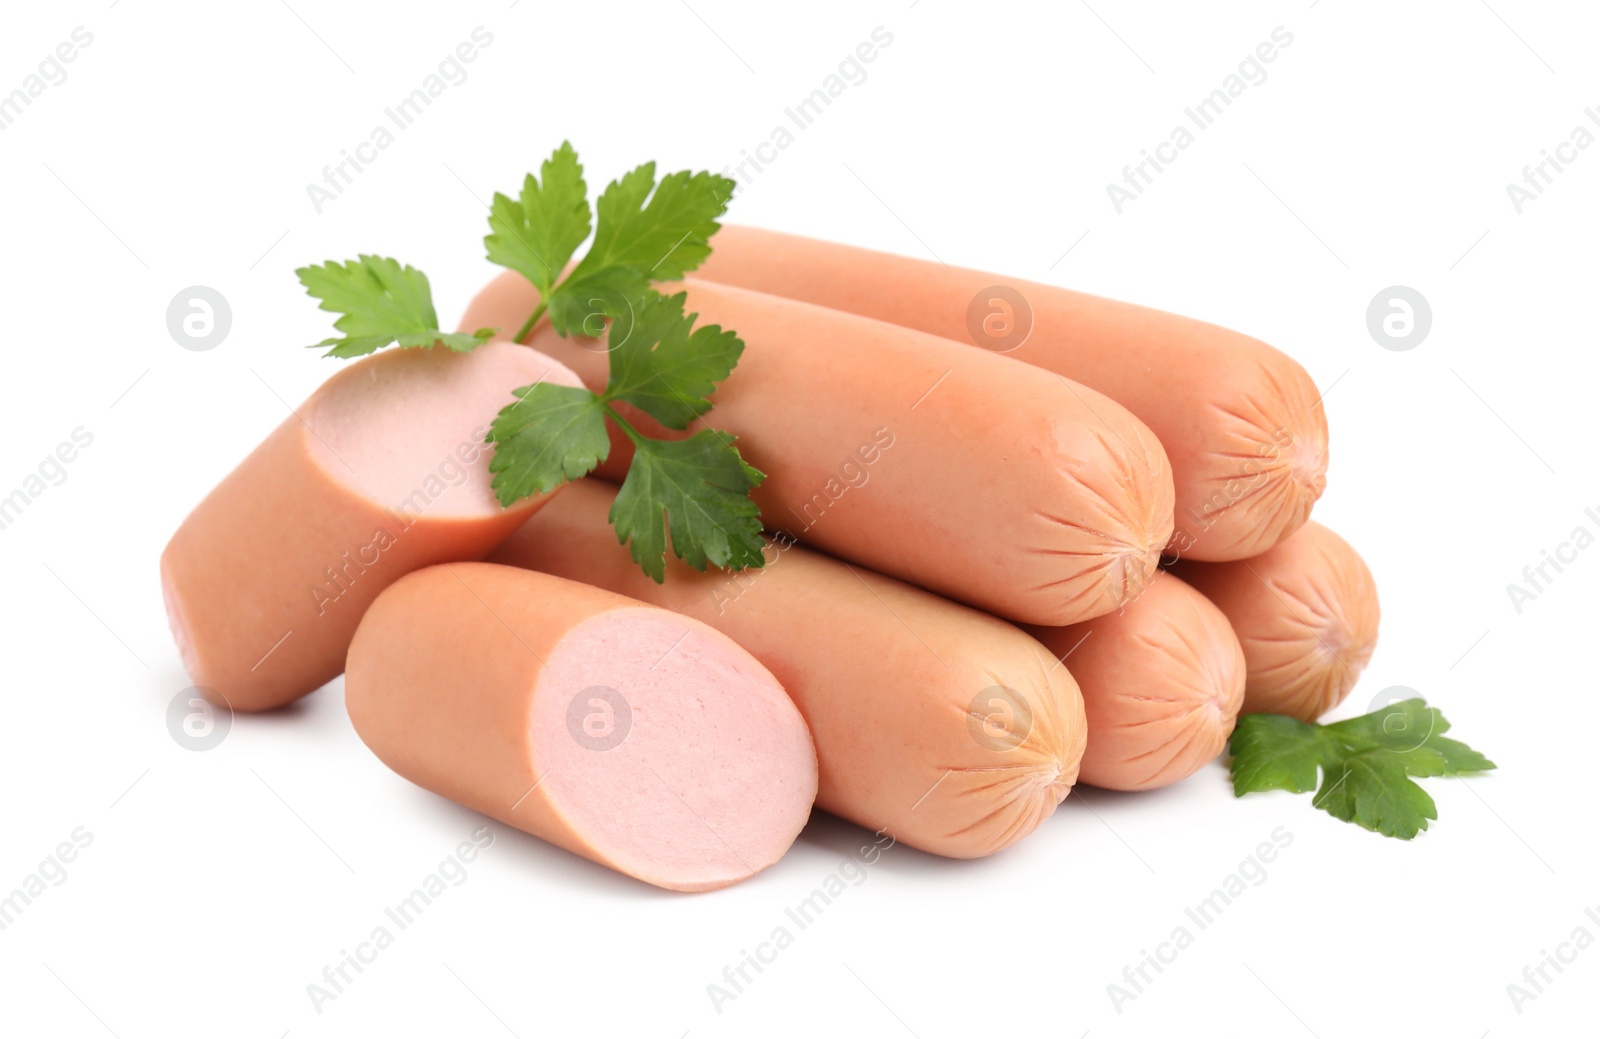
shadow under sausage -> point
(539, 861)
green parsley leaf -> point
(701, 487)
(537, 233)
(1458, 757)
(663, 365)
(583, 305)
(1372, 790)
(667, 235)
(1276, 752)
(1397, 726)
(644, 232)
(550, 435)
(1367, 763)
(382, 303)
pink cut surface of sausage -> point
(1306, 612)
(380, 472)
(997, 484)
(1241, 421)
(936, 724)
(1162, 681)
(635, 737)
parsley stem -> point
(527, 326)
(633, 434)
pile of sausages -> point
(1018, 537)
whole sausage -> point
(1162, 682)
(381, 472)
(997, 484)
(1306, 612)
(936, 724)
(1241, 421)
(642, 740)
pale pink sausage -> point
(1241, 421)
(1306, 612)
(638, 738)
(940, 726)
(997, 484)
(381, 472)
(1162, 678)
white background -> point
(1377, 152)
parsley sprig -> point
(643, 231)
(382, 303)
(1366, 763)
(665, 367)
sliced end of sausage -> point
(1163, 681)
(638, 738)
(382, 471)
(1306, 613)
(375, 425)
(716, 776)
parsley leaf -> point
(644, 232)
(550, 435)
(381, 303)
(662, 367)
(666, 236)
(1276, 752)
(583, 305)
(1367, 763)
(1458, 757)
(703, 487)
(1372, 790)
(537, 233)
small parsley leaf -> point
(1276, 752)
(382, 303)
(666, 232)
(701, 487)
(1367, 763)
(644, 232)
(537, 233)
(552, 434)
(663, 365)
(584, 304)
(1372, 790)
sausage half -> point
(1306, 612)
(997, 484)
(645, 741)
(1162, 678)
(381, 472)
(1240, 420)
(941, 726)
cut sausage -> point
(936, 724)
(640, 739)
(381, 472)
(997, 484)
(1241, 421)
(1162, 681)
(1306, 612)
